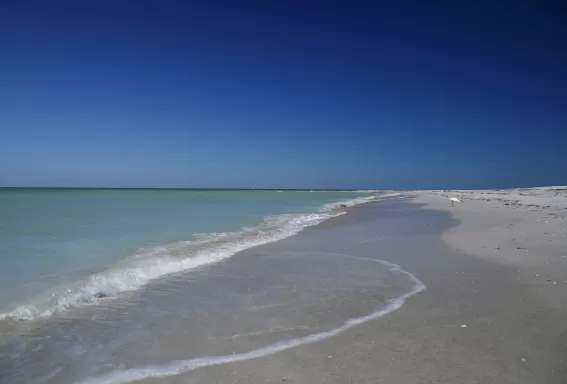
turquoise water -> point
(61, 248)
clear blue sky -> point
(283, 94)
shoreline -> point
(481, 319)
(477, 321)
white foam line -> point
(183, 366)
(392, 194)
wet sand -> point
(478, 321)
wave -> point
(182, 366)
(148, 264)
(391, 194)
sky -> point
(283, 94)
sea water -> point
(61, 248)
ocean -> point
(61, 248)
(94, 281)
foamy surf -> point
(148, 264)
(391, 194)
(184, 366)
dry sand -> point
(525, 229)
(494, 310)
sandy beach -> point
(406, 289)
(494, 310)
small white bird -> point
(454, 200)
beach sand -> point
(494, 310)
